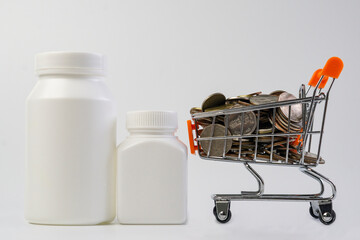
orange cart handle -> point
(316, 77)
(333, 67)
(191, 127)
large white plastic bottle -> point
(152, 171)
(71, 142)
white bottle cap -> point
(152, 120)
(69, 63)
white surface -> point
(171, 55)
(71, 140)
(152, 175)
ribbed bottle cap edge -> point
(151, 120)
(63, 62)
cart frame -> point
(320, 205)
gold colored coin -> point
(214, 100)
(265, 131)
(195, 110)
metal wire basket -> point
(295, 147)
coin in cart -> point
(242, 123)
(215, 147)
(195, 110)
(242, 99)
(277, 92)
(218, 108)
(296, 109)
(263, 99)
(214, 100)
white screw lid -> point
(152, 120)
(82, 63)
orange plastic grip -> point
(323, 81)
(333, 67)
(191, 127)
(316, 77)
(297, 141)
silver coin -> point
(277, 92)
(296, 109)
(214, 100)
(282, 120)
(243, 97)
(238, 125)
(263, 99)
(217, 146)
(219, 108)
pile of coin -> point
(245, 134)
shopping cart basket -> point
(298, 143)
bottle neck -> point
(75, 77)
(152, 132)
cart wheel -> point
(328, 218)
(220, 218)
(312, 212)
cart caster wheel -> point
(311, 211)
(328, 218)
(221, 218)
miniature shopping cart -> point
(313, 100)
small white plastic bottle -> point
(71, 142)
(152, 171)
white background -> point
(170, 55)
